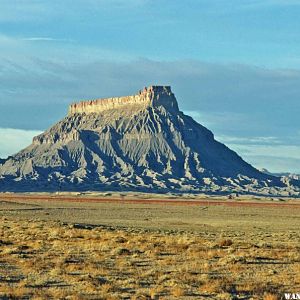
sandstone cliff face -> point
(148, 97)
(140, 143)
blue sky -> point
(233, 65)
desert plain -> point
(141, 246)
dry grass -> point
(177, 291)
(270, 297)
(51, 260)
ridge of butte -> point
(151, 96)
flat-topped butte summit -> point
(134, 143)
(148, 97)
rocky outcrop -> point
(62, 137)
(148, 97)
(135, 143)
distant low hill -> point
(134, 143)
(289, 179)
(282, 174)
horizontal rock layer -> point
(148, 97)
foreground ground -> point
(57, 249)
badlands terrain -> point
(141, 143)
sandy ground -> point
(128, 246)
(211, 214)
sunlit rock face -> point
(152, 96)
(134, 143)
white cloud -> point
(275, 164)
(248, 108)
(27, 50)
(44, 39)
(212, 119)
(231, 6)
(283, 151)
(266, 152)
(32, 10)
(13, 140)
(276, 153)
(275, 2)
(256, 140)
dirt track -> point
(200, 202)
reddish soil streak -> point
(204, 202)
